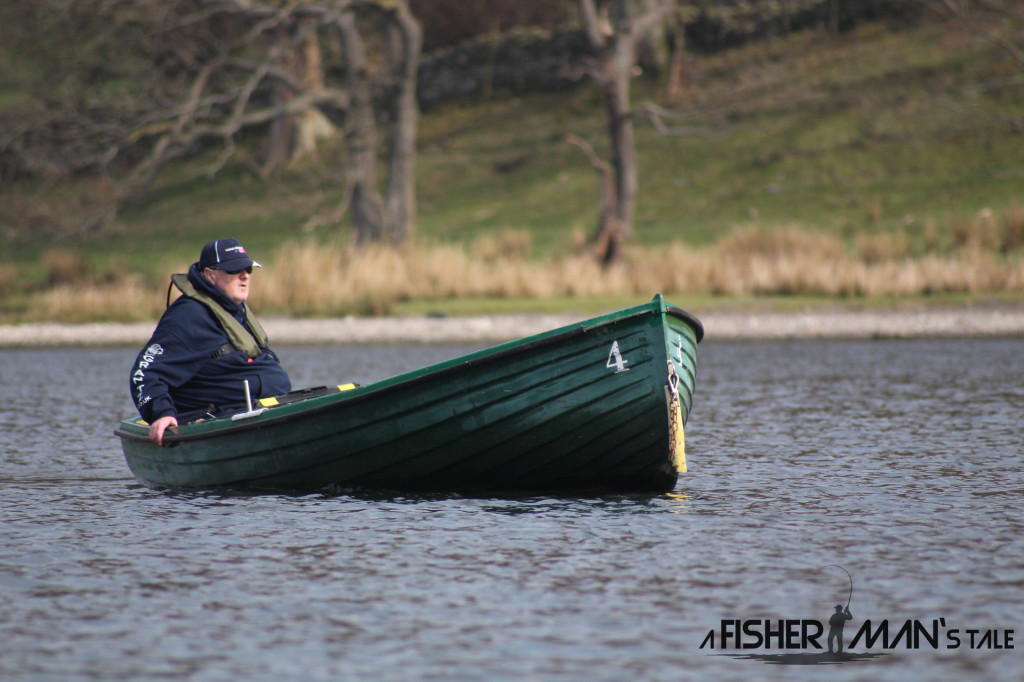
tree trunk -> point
(368, 216)
(614, 39)
(652, 53)
(281, 139)
(677, 60)
(406, 42)
(392, 216)
(294, 136)
(620, 131)
(608, 238)
(311, 126)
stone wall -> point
(533, 60)
(518, 61)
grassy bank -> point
(310, 278)
(885, 162)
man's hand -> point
(157, 428)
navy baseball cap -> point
(225, 254)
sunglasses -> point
(235, 272)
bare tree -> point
(375, 217)
(205, 71)
(615, 35)
(405, 42)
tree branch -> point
(655, 114)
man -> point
(836, 623)
(205, 346)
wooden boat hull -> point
(584, 407)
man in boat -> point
(206, 345)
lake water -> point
(899, 462)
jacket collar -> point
(195, 276)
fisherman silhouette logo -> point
(835, 627)
(839, 618)
(801, 641)
(798, 641)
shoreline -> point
(965, 322)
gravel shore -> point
(991, 321)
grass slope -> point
(910, 130)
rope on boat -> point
(676, 437)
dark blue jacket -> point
(180, 374)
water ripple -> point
(898, 461)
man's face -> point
(235, 286)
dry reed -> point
(314, 279)
(129, 300)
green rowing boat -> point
(595, 406)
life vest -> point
(252, 341)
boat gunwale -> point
(689, 318)
(430, 373)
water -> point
(898, 461)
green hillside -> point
(910, 130)
(878, 130)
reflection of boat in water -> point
(597, 405)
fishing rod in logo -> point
(839, 618)
(848, 576)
